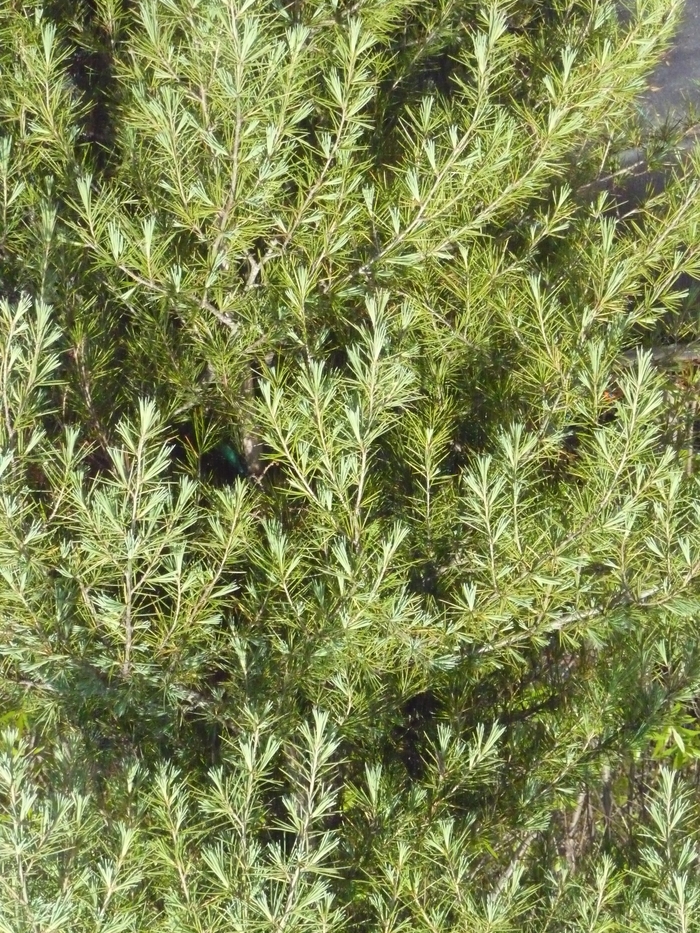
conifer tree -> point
(349, 550)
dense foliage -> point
(349, 548)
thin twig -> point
(682, 144)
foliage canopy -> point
(349, 545)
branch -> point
(674, 354)
(572, 618)
(520, 854)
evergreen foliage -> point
(349, 549)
